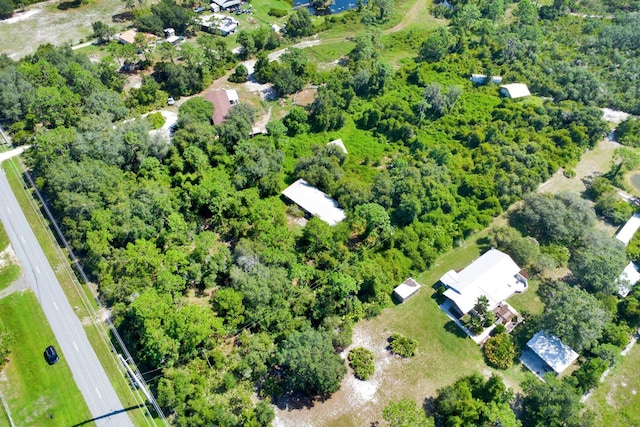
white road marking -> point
(76, 346)
(98, 391)
(22, 238)
(54, 304)
(37, 270)
(8, 210)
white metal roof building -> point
(406, 289)
(338, 143)
(494, 275)
(515, 90)
(557, 355)
(629, 229)
(314, 202)
(628, 279)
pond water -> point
(635, 181)
(337, 6)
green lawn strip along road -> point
(37, 394)
(96, 334)
(8, 271)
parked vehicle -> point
(51, 355)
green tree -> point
(240, 75)
(361, 361)
(228, 304)
(102, 31)
(553, 403)
(436, 45)
(563, 218)
(299, 23)
(598, 263)
(310, 364)
(500, 351)
(195, 110)
(6, 9)
(574, 315)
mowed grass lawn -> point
(37, 394)
(617, 401)
(444, 353)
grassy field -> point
(44, 23)
(80, 296)
(617, 401)
(37, 394)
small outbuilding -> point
(482, 79)
(546, 353)
(406, 290)
(314, 201)
(515, 90)
(338, 143)
(629, 229)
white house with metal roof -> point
(515, 90)
(494, 275)
(545, 353)
(314, 201)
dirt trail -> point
(410, 17)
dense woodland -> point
(219, 293)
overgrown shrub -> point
(403, 346)
(278, 13)
(156, 120)
(361, 361)
(500, 351)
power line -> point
(79, 268)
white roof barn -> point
(629, 229)
(338, 143)
(553, 352)
(628, 279)
(406, 289)
(482, 78)
(494, 275)
(314, 202)
(515, 90)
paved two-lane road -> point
(101, 398)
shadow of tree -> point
(122, 17)
(452, 328)
(293, 402)
(69, 4)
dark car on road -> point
(51, 355)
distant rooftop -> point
(314, 202)
(515, 90)
(628, 279)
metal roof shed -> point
(515, 90)
(552, 351)
(314, 201)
